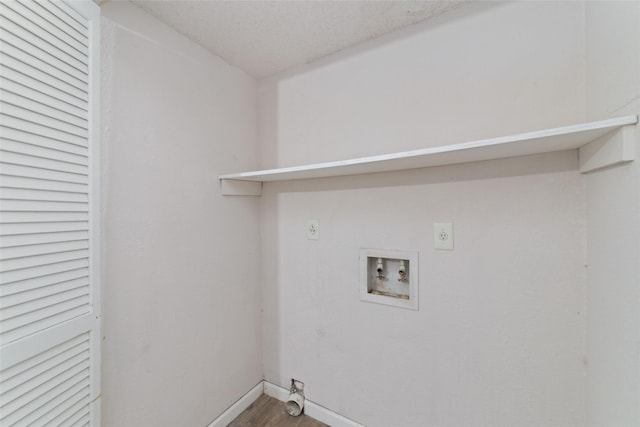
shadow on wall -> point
(538, 164)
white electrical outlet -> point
(443, 236)
(313, 229)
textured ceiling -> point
(267, 37)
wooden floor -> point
(267, 411)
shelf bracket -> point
(614, 148)
(234, 187)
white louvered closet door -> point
(49, 213)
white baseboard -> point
(236, 409)
(312, 409)
(280, 393)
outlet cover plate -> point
(443, 236)
(313, 229)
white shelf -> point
(602, 143)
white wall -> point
(500, 335)
(182, 338)
(499, 338)
(613, 330)
(452, 80)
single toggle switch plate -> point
(313, 229)
(443, 236)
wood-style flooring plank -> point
(269, 412)
(244, 418)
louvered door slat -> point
(17, 158)
(40, 195)
(73, 399)
(34, 68)
(25, 296)
(40, 45)
(28, 251)
(18, 386)
(82, 422)
(73, 14)
(31, 138)
(76, 275)
(41, 260)
(17, 316)
(12, 277)
(49, 223)
(27, 121)
(17, 147)
(27, 18)
(51, 14)
(74, 377)
(12, 181)
(25, 79)
(36, 240)
(41, 162)
(38, 106)
(35, 228)
(62, 299)
(20, 373)
(41, 173)
(38, 121)
(75, 26)
(22, 217)
(49, 316)
(42, 238)
(41, 99)
(68, 412)
(9, 205)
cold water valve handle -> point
(380, 269)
